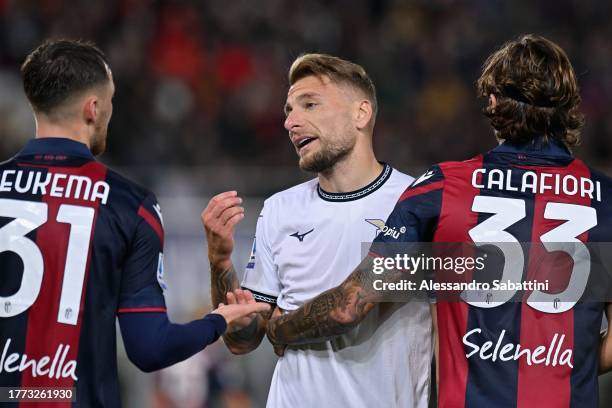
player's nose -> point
(292, 121)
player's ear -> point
(492, 101)
(90, 109)
(363, 114)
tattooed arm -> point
(333, 312)
(246, 334)
(338, 310)
(219, 218)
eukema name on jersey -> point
(387, 231)
(60, 185)
(251, 264)
(160, 272)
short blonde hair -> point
(338, 71)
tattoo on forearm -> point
(221, 282)
(331, 313)
(245, 335)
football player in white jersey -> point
(309, 238)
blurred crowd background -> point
(199, 109)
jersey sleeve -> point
(413, 220)
(142, 280)
(261, 274)
(415, 216)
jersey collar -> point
(357, 194)
(56, 146)
(539, 146)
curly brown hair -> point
(536, 92)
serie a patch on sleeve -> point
(160, 272)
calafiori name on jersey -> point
(537, 183)
(54, 184)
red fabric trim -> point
(44, 334)
(538, 328)
(411, 192)
(457, 198)
(153, 222)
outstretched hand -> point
(242, 297)
(236, 314)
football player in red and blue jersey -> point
(81, 245)
(529, 189)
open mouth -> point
(304, 142)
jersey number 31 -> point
(29, 215)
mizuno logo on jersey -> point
(424, 177)
(299, 236)
(381, 227)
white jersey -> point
(308, 241)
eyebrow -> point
(301, 97)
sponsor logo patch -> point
(160, 272)
(382, 228)
(299, 236)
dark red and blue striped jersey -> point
(515, 353)
(78, 245)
